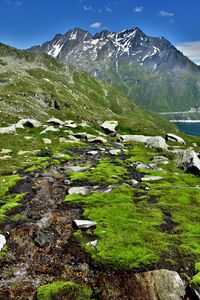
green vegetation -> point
(68, 290)
(105, 173)
(8, 182)
(8, 203)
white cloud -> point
(96, 25)
(86, 8)
(164, 13)
(108, 9)
(138, 9)
(191, 50)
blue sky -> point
(24, 23)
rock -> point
(31, 123)
(70, 124)
(55, 121)
(2, 241)
(92, 152)
(115, 151)
(157, 142)
(28, 152)
(51, 129)
(43, 238)
(97, 139)
(83, 190)
(47, 141)
(134, 182)
(93, 243)
(141, 165)
(110, 126)
(73, 138)
(62, 140)
(80, 135)
(28, 138)
(175, 138)
(76, 168)
(189, 161)
(151, 178)
(153, 285)
(133, 138)
(84, 224)
(5, 157)
(160, 160)
(5, 151)
(8, 130)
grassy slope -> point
(30, 83)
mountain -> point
(150, 70)
(38, 86)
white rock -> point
(85, 224)
(83, 190)
(151, 178)
(5, 157)
(80, 135)
(93, 243)
(28, 152)
(92, 152)
(97, 139)
(47, 141)
(70, 124)
(29, 123)
(5, 151)
(8, 130)
(115, 151)
(189, 160)
(55, 121)
(134, 182)
(51, 129)
(141, 165)
(174, 137)
(2, 241)
(157, 142)
(76, 168)
(133, 138)
(110, 126)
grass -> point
(68, 290)
(8, 203)
(104, 173)
(8, 182)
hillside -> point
(148, 69)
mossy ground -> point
(63, 290)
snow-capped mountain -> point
(132, 61)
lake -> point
(189, 128)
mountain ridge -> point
(145, 68)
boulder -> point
(5, 151)
(51, 129)
(70, 124)
(97, 139)
(157, 142)
(55, 121)
(189, 161)
(84, 224)
(152, 285)
(47, 141)
(134, 182)
(2, 241)
(110, 126)
(80, 135)
(133, 138)
(115, 151)
(8, 130)
(5, 157)
(31, 123)
(151, 178)
(175, 138)
(83, 190)
(141, 165)
(160, 160)
(93, 152)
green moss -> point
(104, 173)
(8, 203)
(8, 182)
(68, 290)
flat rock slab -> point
(83, 190)
(2, 241)
(110, 126)
(76, 168)
(175, 138)
(55, 121)
(151, 178)
(50, 129)
(133, 138)
(8, 130)
(84, 224)
(5, 151)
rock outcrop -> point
(174, 138)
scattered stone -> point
(189, 161)
(8, 130)
(83, 190)
(92, 152)
(84, 224)
(80, 135)
(31, 123)
(133, 138)
(110, 126)
(97, 139)
(76, 168)
(115, 151)
(2, 241)
(28, 138)
(47, 141)
(160, 160)
(70, 124)
(157, 142)
(5, 157)
(93, 243)
(51, 129)
(73, 138)
(55, 121)
(175, 138)
(151, 178)
(5, 151)
(141, 165)
(134, 182)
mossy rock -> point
(62, 290)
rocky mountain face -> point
(149, 69)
